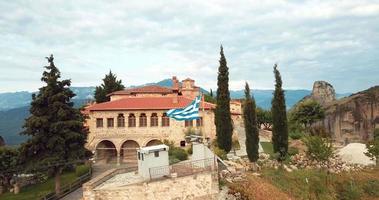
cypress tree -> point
(55, 126)
(251, 126)
(110, 84)
(223, 120)
(279, 118)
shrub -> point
(348, 191)
(220, 153)
(292, 151)
(371, 187)
(236, 144)
(190, 150)
(179, 153)
(295, 135)
(81, 170)
(320, 149)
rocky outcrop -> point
(322, 92)
(353, 118)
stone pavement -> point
(96, 170)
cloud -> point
(145, 41)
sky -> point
(147, 41)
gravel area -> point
(120, 180)
(353, 153)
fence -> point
(183, 169)
(66, 189)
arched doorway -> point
(128, 154)
(153, 142)
(106, 152)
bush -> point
(236, 144)
(348, 191)
(292, 151)
(190, 150)
(220, 153)
(320, 149)
(371, 187)
(81, 170)
(295, 135)
(179, 153)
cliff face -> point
(353, 118)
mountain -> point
(14, 107)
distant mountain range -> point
(14, 106)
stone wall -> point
(198, 186)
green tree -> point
(223, 120)
(211, 93)
(55, 127)
(110, 84)
(318, 148)
(373, 147)
(264, 118)
(8, 162)
(308, 112)
(251, 129)
(279, 118)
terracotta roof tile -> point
(146, 103)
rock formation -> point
(353, 118)
(350, 119)
(322, 92)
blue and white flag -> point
(188, 113)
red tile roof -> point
(145, 89)
(146, 103)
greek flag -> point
(188, 113)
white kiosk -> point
(154, 158)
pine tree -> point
(57, 135)
(279, 118)
(251, 126)
(211, 93)
(223, 120)
(110, 84)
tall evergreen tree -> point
(211, 93)
(223, 120)
(55, 126)
(110, 84)
(251, 126)
(279, 118)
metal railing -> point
(66, 189)
(183, 169)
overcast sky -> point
(147, 41)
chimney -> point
(175, 83)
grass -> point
(267, 148)
(39, 190)
(317, 184)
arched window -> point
(199, 122)
(142, 120)
(120, 120)
(154, 119)
(165, 120)
(132, 120)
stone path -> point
(96, 170)
(240, 130)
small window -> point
(99, 123)
(165, 120)
(139, 156)
(120, 120)
(182, 143)
(199, 122)
(154, 119)
(110, 122)
(188, 123)
(132, 120)
(156, 153)
(142, 120)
